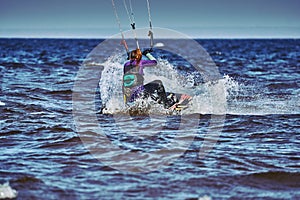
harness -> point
(132, 80)
(132, 77)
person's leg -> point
(156, 87)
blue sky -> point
(196, 18)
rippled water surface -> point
(256, 140)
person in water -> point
(133, 79)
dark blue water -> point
(256, 156)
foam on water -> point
(6, 192)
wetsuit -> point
(133, 82)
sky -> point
(195, 18)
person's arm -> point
(148, 63)
(151, 62)
(149, 56)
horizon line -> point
(191, 32)
(105, 38)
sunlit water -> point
(256, 154)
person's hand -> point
(146, 51)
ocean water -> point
(239, 139)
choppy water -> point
(256, 155)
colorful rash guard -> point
(143, 63)
(133, 79)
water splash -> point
(211, 97)
(223, 96)
(111, 83)
(253, 99)
(207, 98)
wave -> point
(275, 179)
(13, 65)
